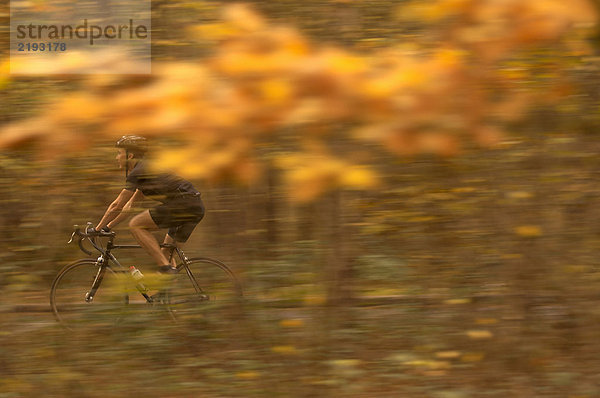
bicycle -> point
(97, 290)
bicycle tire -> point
(203, 286)
(68, 296)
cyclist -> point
(181, 208)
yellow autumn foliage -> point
(291, 323)
(213, 31)
(276, 91)
(356, 177)
(249, 375)
(244, 18)
(448, 354)
(4, 73)
(479, 334)
(528, 231)
(285, 350)
(265, 84)
(310, 175)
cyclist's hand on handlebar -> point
(91, 230)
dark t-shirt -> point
(161, 187)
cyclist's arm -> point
(115, 208)
(137, 196)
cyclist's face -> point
(121, 157)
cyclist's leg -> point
(167, 252)
(141, 225)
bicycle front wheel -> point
(203, 287)
(86, 293)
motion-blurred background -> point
(407, 189)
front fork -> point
(89, 296)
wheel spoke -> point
(73, 285)
(202, 288)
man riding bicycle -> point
(181, 208)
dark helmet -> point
(134, 144)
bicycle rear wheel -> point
(70, 301)
(204, 287)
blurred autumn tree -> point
(267, 86)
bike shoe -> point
(167, 269)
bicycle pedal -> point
(157, 297)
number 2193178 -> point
(46, 46)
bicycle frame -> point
(106, 256)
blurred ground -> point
(420, 348)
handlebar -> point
(89, 233)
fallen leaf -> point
(479, 334)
